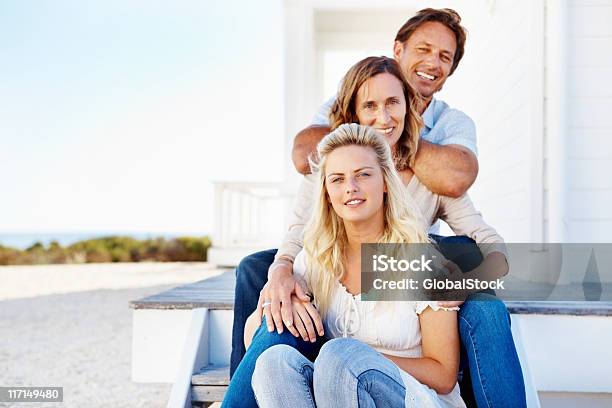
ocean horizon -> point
(25, 240)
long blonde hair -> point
(325, 238)
(344, 109)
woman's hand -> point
(306, 319)
(275, 297)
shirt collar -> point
(429, 114)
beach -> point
(71, 326)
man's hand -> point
(275, 297)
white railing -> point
(250, 214)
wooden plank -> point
(212, 293)
(561, 308)
(211, 375)
(218, 293)
(208, 393)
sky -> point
(118, 115)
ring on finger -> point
(266, 303)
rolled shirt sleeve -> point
(463, 218)
(293, 241)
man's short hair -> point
(449, 17)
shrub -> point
(111, 249)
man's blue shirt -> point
(444, 125)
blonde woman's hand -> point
(275, 297)
(452, 268)
(306, 319)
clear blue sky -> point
(117, 114)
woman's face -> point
(380, 103)
(354, 183)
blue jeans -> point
(490, 367)
(251, 276)
(487, 347)
(336, 379)
(239, 394)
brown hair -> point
(345, 111)
(449, 17)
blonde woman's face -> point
(380, 103)
(354, 183)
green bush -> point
(111, 249)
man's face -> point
(426, 57)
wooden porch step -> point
(215, 293)
(209, 384)
(218, 293)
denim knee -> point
(333, 354)
(341, 373)
(332, 367)
(278, 358)
(283, 378)
(337, 358)
(265, 339)
(484, 309)
(273, 358)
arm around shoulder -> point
(449, 166)
(447, 170)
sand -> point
(70, 326)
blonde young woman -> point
(391, 355)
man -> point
(428, 48)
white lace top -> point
(388, 327)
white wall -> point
(503, 84)
(589, 195)
(499, 84)
(343, 37)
